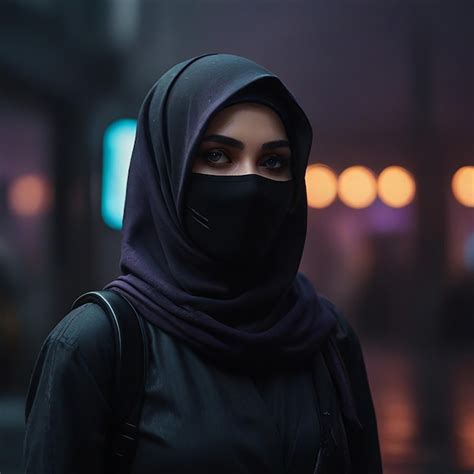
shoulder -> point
(77, 355)
(345, 336)
(345, 329)
(83, 327)
(86, 333)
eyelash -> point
(284, 161)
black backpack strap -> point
(332, 429)
(131, 350)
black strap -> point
(131, 350)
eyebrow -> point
(238, 144)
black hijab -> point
(267, 316)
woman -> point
(214, 228)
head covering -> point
(266, 316)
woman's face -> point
(245, 138)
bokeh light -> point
(118, 143)
(396, 186)
(462, 185)
(29, 195)
(321, 185)
(357, 187)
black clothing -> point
(229, 387)
(196, 418)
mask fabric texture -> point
(236, 219)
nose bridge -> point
(249, 161)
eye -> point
(214, 156)
(276, 162)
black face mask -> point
(235, 218)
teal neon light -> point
(117, 147)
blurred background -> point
(389, 89)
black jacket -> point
(196, 418)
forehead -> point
(246, 116)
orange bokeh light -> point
(29, 195)
(396, 186)
(357, 187)
(321, 185)
(462, 185)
